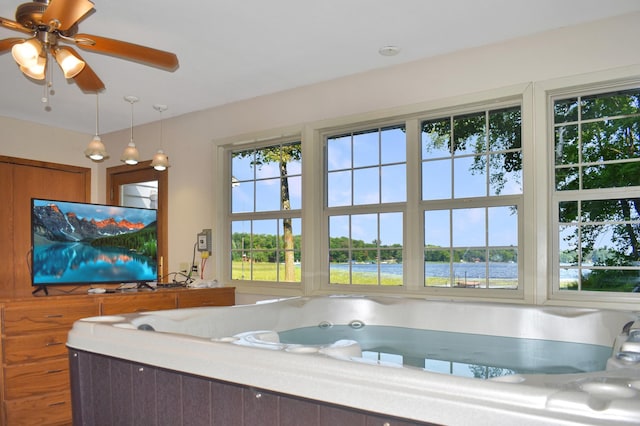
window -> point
(266, 224)
(596, 192)
(471, 190)
(365, 197)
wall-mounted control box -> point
(204, 241)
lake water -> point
(460, 354)
(497, 270)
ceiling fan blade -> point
(7, 44)
(13, 25)
(133, 52)
(66, 12)
(87, 80)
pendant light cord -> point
(131, 120)
(97, 114)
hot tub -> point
(253, 349)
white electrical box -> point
(204, 241)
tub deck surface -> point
(212, 343)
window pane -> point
(568, 211)
(469, 134)
(391, 232)
(436, 139)
(241, 165)
(503, 226)
(567, 179)
(339, 189)
(268, 176)
(393, 145)
(268, 195)
(505, 129)
(611, 104)
(366, 186)
(611, 175)
(611, 140)
(503, 268)
(469, 227)
(265, 165)
(436, 180)
(393, 183)
(366, 249)
(295, 193)
(242, 197)
(372, 182)
(339, 153)
(364, 229)
(339, 229)
(505, 173)
(470, 179)
(565, 110)
(366, 149)
(436, 229)
(566, 145)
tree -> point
(280, 155)
(469, 135)
(608, 149)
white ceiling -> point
(233, 50)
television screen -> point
(82, 243)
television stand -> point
(41, 288)
(145, 285)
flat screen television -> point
(82, 244)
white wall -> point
(188, 139)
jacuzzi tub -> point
(239, 345)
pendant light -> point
(160, 160)
(96, 150)
(130, 155)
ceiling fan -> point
(52, 22)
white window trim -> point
(536, 258)
(412, 257)
(546, 243)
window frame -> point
(413, 272)
(226, 152)
(549, 95)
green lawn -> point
(263, 271)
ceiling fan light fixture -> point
(71, 66)
(160, 161)
(27, 53)
(37, 70)
(96, 150)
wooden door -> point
(22, 180)
(143, 172)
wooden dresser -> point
(35, 372)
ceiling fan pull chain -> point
(48, 86)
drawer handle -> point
(53, 344)
(54, 316)
(54, 371)
(54, 404)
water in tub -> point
(460, 354)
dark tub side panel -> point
(109, 391)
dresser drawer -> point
(206, 297)
(40, 378)
(31, 317)
(113, 305)
(34, 347)
(49, 410)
